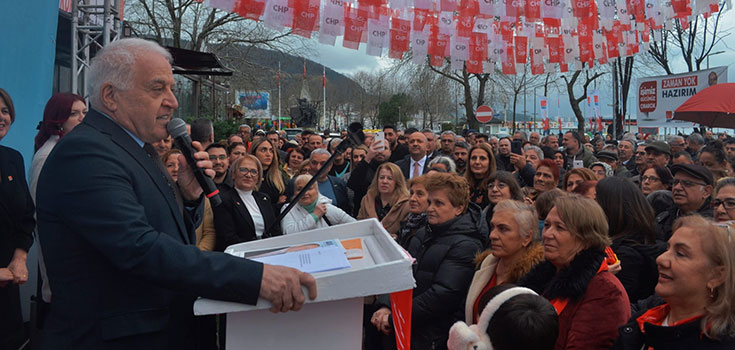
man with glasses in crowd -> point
(220, 164)
(691, 191)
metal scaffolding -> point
(94, 24)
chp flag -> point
(484, 114)
(659, 97)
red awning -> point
(713, 107)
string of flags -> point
(551, 35)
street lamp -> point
(712, 54)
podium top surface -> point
(383, 267)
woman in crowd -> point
(513, 252)
(587, 189)
(274, 179)
(386, 198)
(16, 227)
(171, 161)
(444, 251)
(601, 170)
(245, 213)
(713, 157)
(236, 150)
(543, 204)
(63, 112)
(418, 201)
(693, 306)
(546, 177)
(630, 220)
(501, 185)
(442, 164)
(590, 301)
(294, 159)
(481, 164)
(574, 177)
(656, 178)
(304, 168)
(724, 200)
(313, 211)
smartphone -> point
(380, 136)
(515, 147)
(578, 164)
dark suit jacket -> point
(16, 227)
(405, 165)
(233, 222)
(120, 253)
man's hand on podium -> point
(282, 287)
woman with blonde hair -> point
(694, 304)
(274, 178)
(575, 177)
(386, 198)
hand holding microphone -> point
(195, 174)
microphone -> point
(177, 128)
(355, 137)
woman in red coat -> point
(590, 301)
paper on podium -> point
(309, 260)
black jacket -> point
(398, 153)
(686, 336)
(665, 220)
(443, 271)
(639, 273)
(233, 223)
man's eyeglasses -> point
(686, 183)
(246, 172)
(220, 157)
(729, 203)
(650, 178)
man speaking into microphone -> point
(118, 233)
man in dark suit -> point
(416, 162)
(118, 234)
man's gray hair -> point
(462, 144)
(448, 162)
(449, 132)
(320, 151)
(244, 126)
(696, 138)
(115, 64)
(674, 138)
(536, 149)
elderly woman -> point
(442, 164)
(693, 305)
(656, 178)
(575, 177)
(480, 165)
(16, 227)
(513, 252)
(723, 203)
(418, 201)
(313, 211)
(590, 301)
(274, 179)
(546, 177)
(601, 170)
(631, 227)
(444, 251)
(245, 213)
(386, 198)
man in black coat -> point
(118, 233)
(691, 190)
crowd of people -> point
(521, 242)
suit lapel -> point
(242, 210)
(122, 139)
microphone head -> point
(355, 132)
(176, 127)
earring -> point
(711, 292)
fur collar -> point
(571, 282)
(531, 257)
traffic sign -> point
(484, 114)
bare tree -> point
(517, 83)
(571, 82)
(465, 80)
(694, 42)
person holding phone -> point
(512, 159)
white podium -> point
(334, 319)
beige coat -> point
(205, 233)
(534, 255)
(392, 221)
